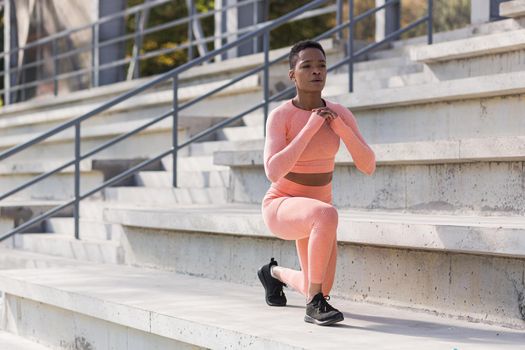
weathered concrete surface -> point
(452, 232)
(166, 196)
(504, 84)
(219, 315)
(500, 149)
(10, 341)
(471, 47)
(76, 331)
(515, 8)
(65, 246)
(479, 188)
(376, 254)
(470, 67)
(11, 259)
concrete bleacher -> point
(433, 239)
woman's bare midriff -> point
(316, 179)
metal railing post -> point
(191, 12)
(175, 127)
(255, 21)
(339, 18)
(138, 33)
(54, 50)
(95, 54)
(266, 78)
(76, 210)
(351, 46)
(430, 21)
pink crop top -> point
(298, 142)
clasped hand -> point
(326, 113)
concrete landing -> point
(10, 341)
(219, 315)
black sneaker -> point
(318, 311)
(272, 286)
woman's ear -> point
(291, 74)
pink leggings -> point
(306, 215)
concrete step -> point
(194, 179)
(456, 261)
(514, 9)
(15, 259)
(61, 245)
(472, 47)
(166, 196)
(60, 186)
(207, 148)
(372, 65)
(193, 163)
(473, 30)
(89, 229)
(338, 84)
(474, 57)
(355, 226)
(168, 311)
(150, 104)
(464, 108)
(471, 176)
(243, 133)
(15, 213)
(57, 187)
(10, 341)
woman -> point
(302, 138)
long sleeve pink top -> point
(297, 141)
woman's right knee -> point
(326, 216)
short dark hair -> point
(300, 46)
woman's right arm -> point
(280, 158)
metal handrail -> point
(130, 11)
(181, 47)
(173, 74)
(95, 45)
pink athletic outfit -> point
(297, 141)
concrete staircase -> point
(433, 239)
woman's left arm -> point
(345, 126)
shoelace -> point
(324, 306)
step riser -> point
(207, 148)
(377, 74)
(204, 163)
(139, 112)
(473, 118)
(243, 133)
(364, 273)
(152, 105)
(98, 252)
(483, 187)
(90, 230)
(468, 32)
(184, 179)
(167, 197)
(14, 260)
(138, 146)
(73, 330)
(478, 66)
(56, 187)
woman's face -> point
(309, 73)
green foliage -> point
(168, 38)
(290, 33)
(448, 15)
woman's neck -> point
(308, 101)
